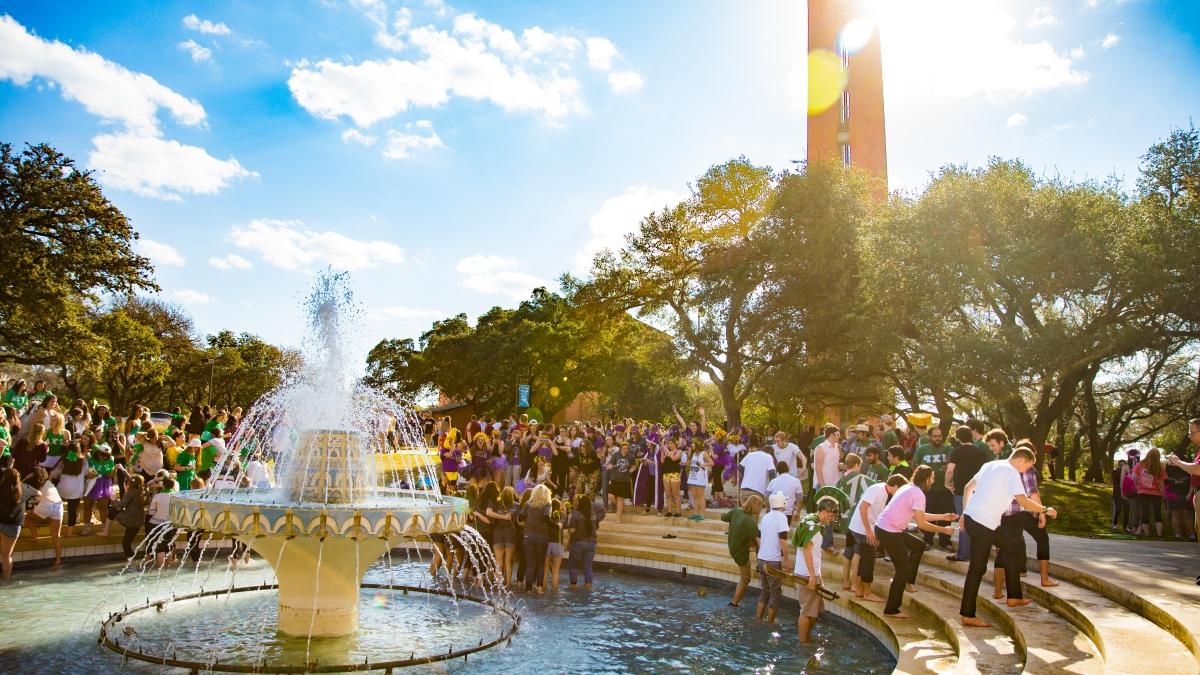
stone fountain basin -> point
(386, 513)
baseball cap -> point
(778, 501)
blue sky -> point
(453, 156)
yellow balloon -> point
(826, 80)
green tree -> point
(1003, 292)
(64, 245)
(698, 269)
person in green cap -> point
(743, 534)
(808, 541)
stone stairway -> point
(1079, 626)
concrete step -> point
(1119, 634)
(703, 534)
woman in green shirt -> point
(16, 396)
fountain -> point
(338, 506)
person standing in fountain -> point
(581, 533)
(554, 551)
(535, 515)
(743, 535)
(451, 456)
(160, 514)
(772, 554)
(504, 533)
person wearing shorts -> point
(808, 539)
(772, 555)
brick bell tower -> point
(850, 131)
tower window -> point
(845, 107)
(846, 154)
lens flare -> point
(855, 35)
(380, 600)
(826, 80)
(554, 391)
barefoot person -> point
(743, 535)
(862, 520)
(904, 548)
(772, 553)
(985, 500)
(808, 563)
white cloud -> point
(104, 88)
(619, 216)
(290, 245)
(989, 58)
(137, 158)
(474, 59)
(1016, 120)
(439, 7)
(1042, 16)
(624, 81)
(1092, 4)
(189, 296)
(601, 52)
(231, 261)
(164, 169)
(1076, 53)
(162, 255)
(401, 144)
(496, 275)
(198, 51)
(356, 136)
(404, 313)
(1110, 40)
(193, 22)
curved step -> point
(1048, 641)
(1120, 634)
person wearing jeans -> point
(987, 497)
(581, 528)
(965, 460)
(908, 503)
(535, 513)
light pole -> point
(208, 394)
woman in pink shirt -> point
(903, 548)
(1148, 477)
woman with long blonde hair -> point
(535, 514)
(501, 513)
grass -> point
(1084, 509)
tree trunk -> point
(1061, 444)
(731, 404)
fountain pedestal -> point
(319, 580)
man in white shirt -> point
(787, 452)
(826, 458)
(862, 526)
(757, 467)
(985, 500)
(789, 486)
(772, 554)
(808, 563)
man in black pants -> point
(985, 500)
(905, 550)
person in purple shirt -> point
(904, 548)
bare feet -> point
(975, 622)
(1048, 583)
(910, 588)
(871, 597)
(998, 595)
(1019, 602)
(897, 615)
(57, 565)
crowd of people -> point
(538, 493)
(76, 472)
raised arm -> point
(682, 424)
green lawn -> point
(1085, 509)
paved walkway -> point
(1163, 572)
